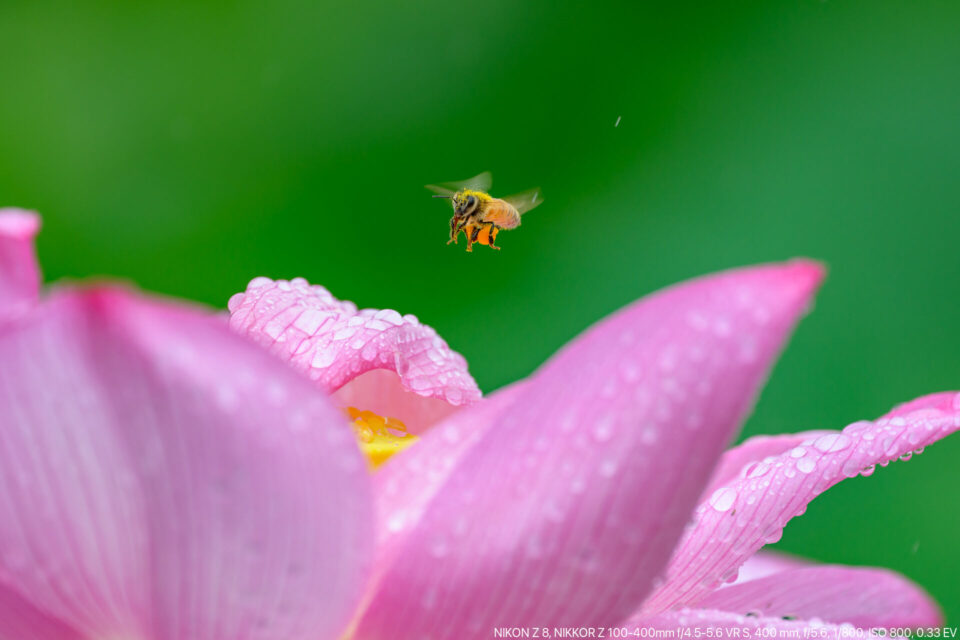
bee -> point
(479, 215)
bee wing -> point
(479, 182)
(526, 200)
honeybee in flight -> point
(478, 214)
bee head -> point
(465, 203)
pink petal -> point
(333, 343)
(768, 563)
(711, 623)
(20, 619)
(568, 505)
(404, 487)
(863, 597)
(382, 392)
(736, 461)
(163, 478)
(19, 274)
(751, 511)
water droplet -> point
(603, 430)
(608, 468)
(730, 575)
(857, 426)
(868, 471)
(832, 442)
(759, 470)
(772, 534)
(323, 358)
(395, 523)
(906, 456)
(851, 468)
(806, 465)
(723, 499)
(797, 452)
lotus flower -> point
(167, 476)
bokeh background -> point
(188, 147)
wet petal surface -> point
(566, 507)
(334, 343)
(164, 478)
(863, 597)
(752, 510)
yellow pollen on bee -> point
(379, 437)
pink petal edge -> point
(752, 510)
(567, 506)
(754, 449)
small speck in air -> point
(535, 197)
(617, 123)
(916, 547)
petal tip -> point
(19, 223)
(803, 276)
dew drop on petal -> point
(608, 468)
(603, 430)
(832, 442)
(759, 470)
(851, 468)
(723, 498)
(772, 534)
(323, 358)
(806, 465)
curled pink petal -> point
(333, 343)
(751, 511)
(164, 478)
(19, 273)
(736, 461)
(382, 392)
(863, 597)
(568, 505)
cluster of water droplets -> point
(825, 457)
(332, 341)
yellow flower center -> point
(379, 437)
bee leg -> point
(454, 231)
(490, 236)
(475, 234)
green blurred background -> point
(191, 147)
